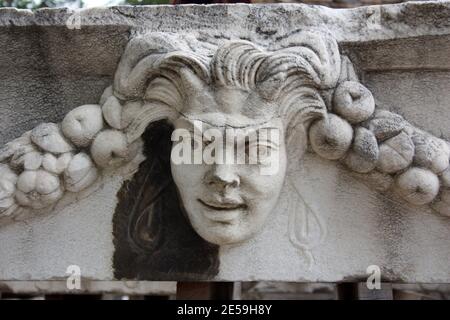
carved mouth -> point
(224, 213)
(223, 206)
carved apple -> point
(38, 189)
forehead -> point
(200, 125)
(222, 107)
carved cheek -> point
(267, 183)
(188, 177)
(253, 185)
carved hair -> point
(153, 70)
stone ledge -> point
(410, 19)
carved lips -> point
(223, 211)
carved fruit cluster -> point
(367, 139)
(40, 166)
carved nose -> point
(222, 176)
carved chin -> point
(225, 234)
(226, 231)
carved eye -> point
(266, 151)
(264, 154)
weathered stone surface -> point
(38, 189)
(353, 102)
(322, 214)
(431, 153)
(385, 124)
(418, 186)
(80, 173)
(331, 137)
(364, 153)
(82, 124)
(48, 137)
(396, 153)
(55, 164)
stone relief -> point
(300, 85)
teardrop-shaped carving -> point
(306, 228)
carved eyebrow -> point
(269, 138)
(251, 129)
(269, 143)
(275, 128)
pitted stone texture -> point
(364, 153)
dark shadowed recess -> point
(152, 237)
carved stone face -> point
(228, 203)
